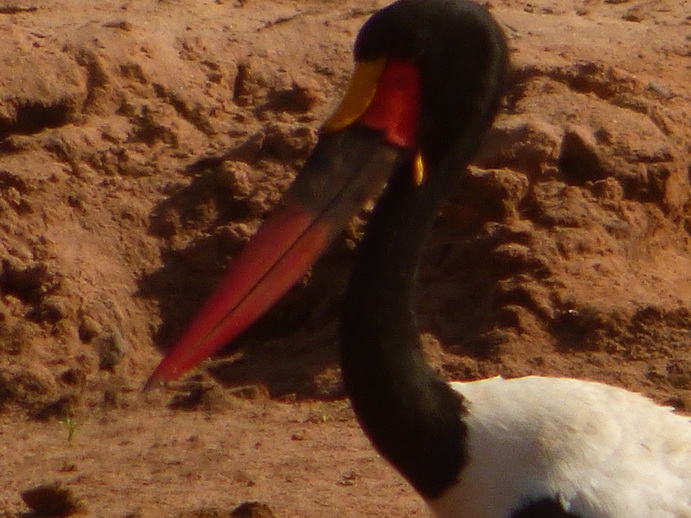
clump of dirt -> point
(253, 510)
(54, 500)
(244, 510)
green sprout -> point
(71, 426)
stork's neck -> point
(411, 416)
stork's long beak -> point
(359, 148)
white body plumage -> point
(603, 452)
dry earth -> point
(141, 143)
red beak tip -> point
(155, 381)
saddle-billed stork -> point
(427, 83)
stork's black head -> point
(460, 53)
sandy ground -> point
(141, 143)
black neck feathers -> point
(412, 417)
